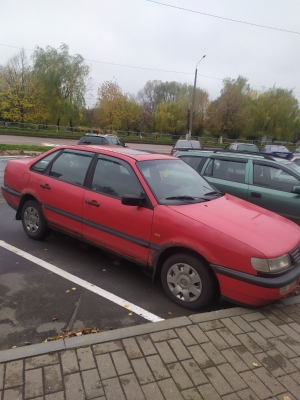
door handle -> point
(92, 203)
(45, 186)
(255, 194)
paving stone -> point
(232, 326)
(232, 377)
(271, 383)
(165, 352)
(13, 374)
(1, 377)
(242, 324)
(73, 387)
(33, 383)
(178, 348)
(163, 335)
(210, 325)
(142, 371)
(291, 343)
(256, 385)
(191, 394)
(255, 316)
(231, 396)
(200, 356)
(291, 332)
(132, 348)
(295, 326)
(146, 345)
(169, 389)
(198, 334)
(213, 353)
(290, 309)
(131, 387)
(286, 396)
(56, 396)
(269, 363)
(85, 358)
(13, 394)
(105, 366)
(296, 377)
(92, 384)
(194, 372)
(217, 340)
(249, 343)
(295, 317)
(121, 362)
(285, 318)
(234, 360)
(247, 394)
(283, 362)
(261, 329)
(218, 381)
(152, 392)
(228, 337)
(107, 347)
(290, 385)
(282, 348)
(185, 336)
(113, 389)
(296, 362)
(180, 376)
(157, 367)
(272, 328)
(208, 392)
(41, 361)
(53, 378)
(246, 356)
(273, 318)
(260, 341)
(69, 362)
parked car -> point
(277, 151)
(158, 212)
(186, 145)
(103, 140)
(247, 147)
(269, 182)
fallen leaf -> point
(67, 291)
(130, 313)
(55, 318)
(126, 306)
(104, 270)
(45, 341)
(286, 398)
(17, 262)
(79, 334)
(169, 313)
(94, 330)
(14, 347)
(255, 365)
(27, 343)
(45, 249)
(73, 288)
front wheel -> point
(188, 281)
(33, 220)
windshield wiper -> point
(181, 198)
(214, 194)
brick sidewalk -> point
(233, 354)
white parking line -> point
(95, 289)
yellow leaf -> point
(255, 365)
(126, 306)
(130, 313)
(67, 291)
(286, 398)
(104, 270)
(79, 334)
(45, 249)
(169, 313)
(73, 288)
(17, 262)
(14, 347)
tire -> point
(188, 281)
(33, 221)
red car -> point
(158, 212)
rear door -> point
(106, 221)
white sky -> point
(149, 35)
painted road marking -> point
(95, 289)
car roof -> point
(138, 155)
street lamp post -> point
(193, 102)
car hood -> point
(259, 228)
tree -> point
(20, 96)
(64, 80)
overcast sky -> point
(146, 34)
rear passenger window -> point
(195, 162)
(71, 167)
(233, 171)
(41, 165)
(274, 178)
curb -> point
(122, 333)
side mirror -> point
(296, 190)
(132, 200)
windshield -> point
(188, 144)
(175, 182)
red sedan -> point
(158, 212)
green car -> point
(269, 182)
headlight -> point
(271, 264)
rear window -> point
(188, 144)
(279, 148)
(247, 147)
(91, 140)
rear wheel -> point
(33, 220)
(188, 281)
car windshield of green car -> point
(175, 182)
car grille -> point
(295, 255)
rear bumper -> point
(256, 290)
(11, 196)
